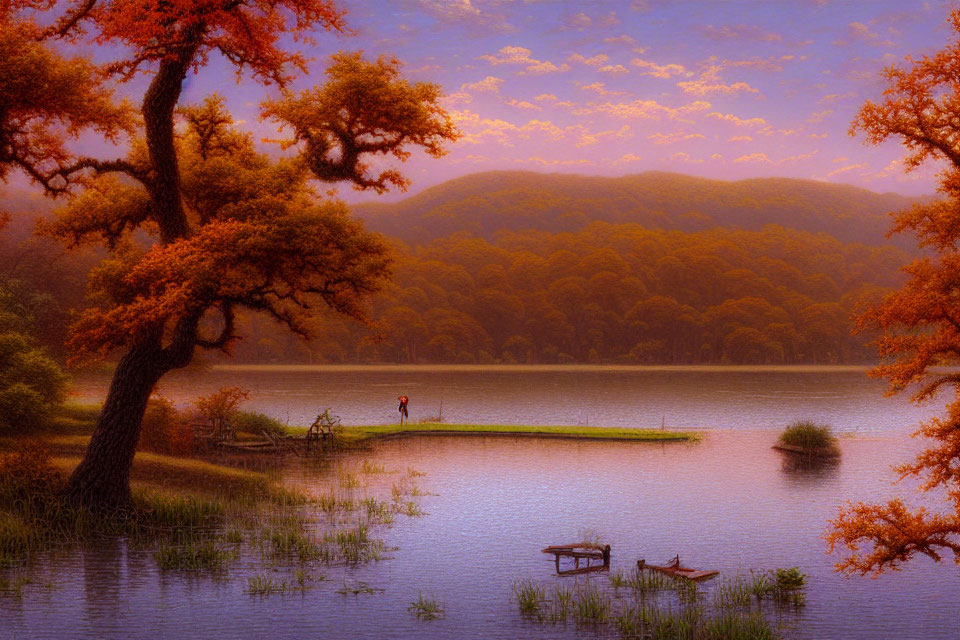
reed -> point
(192, 556)
(348, 480)
(263, 586)
(732, 625)
(372, 467)
(377, 511)
(591, 605)
(529, 595)
(426, 608)
(562, 602)
(733, 592)
(643, 581)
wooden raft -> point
(582, 551)
(676, 570)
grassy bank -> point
(192, 514)
(360, 433)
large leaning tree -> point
(229, 228)
(920, 322)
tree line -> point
(609, 293)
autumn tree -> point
(232, 229)
(920, 321)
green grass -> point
(426, 608)
(530, 595)
(360, 433)
(202, 555)
(592, 606)
(811, 437)
(264, 586)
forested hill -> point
(487, 203)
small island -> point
(810, 439)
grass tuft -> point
(426, 608)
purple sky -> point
(722, 89)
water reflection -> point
(800, 468)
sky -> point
(721, 89)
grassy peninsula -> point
(368, 432)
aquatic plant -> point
(530, 595)
(192, 556)
(732, 592)
(426, 608)
(348, 480)
(811, 437)
(591, 605)
(372, 467)
(733, 625)
(262, 585)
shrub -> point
(809, 435)
(30, 383)
(255, 422)
(164, 429)
(28, 478)
(21, 408)
(220, 406)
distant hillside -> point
(487, 203)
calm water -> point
(728, 503)
(698, 397)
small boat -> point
(587, 551)
(676, 570)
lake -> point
(729, 502)
(643, 397)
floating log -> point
(676, 570)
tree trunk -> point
(102, 479)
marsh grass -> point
(530, 596)
(592, 605)
(260, 585)
(348, 480)
(361, 588)
(811, 437)
(193, 556)
(194, 515)
(658, 607)
(372, 468)
(733, 592)
(426, 608)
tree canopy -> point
(228, 227)
(920, 321)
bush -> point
(28, 478)
(31, 384)
(255, 422)
(810, 436)
(164, 429)
(21, 408)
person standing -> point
(403, 408)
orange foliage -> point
(921, 321)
